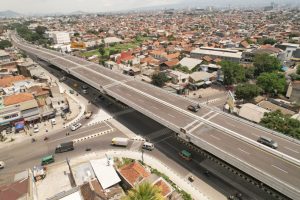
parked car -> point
(76, 126)
(2, 164)
(194, 108)
(36, 128)
(148, 146)
(185, 155)
(268, 142)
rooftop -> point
(17, 98)
(9, 80)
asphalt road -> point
(146, 97)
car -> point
(71, 91)
(148, 146)
(36, 128)
(194, 108)
(186, 155)
(84, 87)
(76, 126)
(84, 91)
(2, 164)
(268, 142)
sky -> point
(64, 6)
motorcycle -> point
(33, 140)
(46, 138)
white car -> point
(2, 164)
(36, 128)
(76, 126)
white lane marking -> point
(291, 150)
(279, 168)
(212, 116)
(243, 151)
(215, 137)
(163, 139)
(207, 114)
(74, 134)
(171, 115)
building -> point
(28, 106)
(178, 77)
(4, 57)
(252, 112)
(132, 174)
(293, 92)
(217, 53)
(23, 188)
(190, 63)
(61, 37)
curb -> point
(92, 136)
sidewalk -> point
(181, 182)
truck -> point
(119, 141)
(64, 147)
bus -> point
(47, 160)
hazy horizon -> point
(65, 6)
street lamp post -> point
(142, 156)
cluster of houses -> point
(27, 95)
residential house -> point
(199, 78)
(178, 77)
(252, 112)
(132, 174)
(28, 106)
(190, 63)
(8, 69)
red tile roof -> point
(164, 187)
(17, 98)
(133, 173)
(9, 80)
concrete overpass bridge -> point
(229, 138)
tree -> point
(159, 79)
(76, 34)
(101, 50)
(5, 44)
(298, 70)
(247, 91)
(233, 72)
(40, 30)
(144, 191)
(270, 41)
(272, 83)
(249, 72)
(281, 123)
(265, 63)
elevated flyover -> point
(227, 137)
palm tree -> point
(144, 191)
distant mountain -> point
(78, 12)
(9, 13)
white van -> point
(76, 126)
(149, 146)
(53, 121)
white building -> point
(61, 37)
(223, 54)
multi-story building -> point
(61, 37)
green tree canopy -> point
(233, 72)
(298, 70)
(159, 79)
(76, 34)
(40, 30)
(144, 191)
(247, 91)
(272, 83)
(281, 123)
(5, 44)
(265, 63)
(270, 41)
(249, 72)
